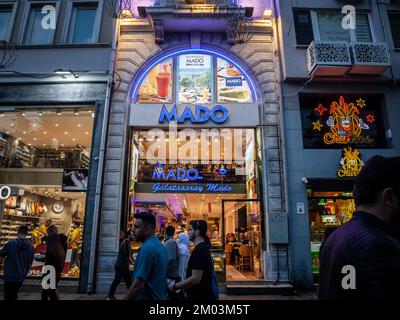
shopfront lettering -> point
(193, 188)
(234, 82)
(202, 114)
(181, 174)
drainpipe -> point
(283, 134)
(385, 34)
(94, 241)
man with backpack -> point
(201, 282)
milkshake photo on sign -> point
(157, 86)
(195, 78)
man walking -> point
(368, 245)
(122, 265)
(18, 254)
(150, 272)
(173, 254)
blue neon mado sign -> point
(202, 114)
(191, 174)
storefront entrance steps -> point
(258, 288)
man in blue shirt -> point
(150, 272)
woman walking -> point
(55, 256)
(184, 254)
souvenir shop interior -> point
(327, 211)
(177, 192)
(44, 159)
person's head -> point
(214, 228)
(183, 238)
(122, 234)
(54, 245)
(22, 231)
(198, 229)
(77, 224)
(48, 223)
(52, 229)
(170, 231)
(377, 189)
(241, 236)
(144, 226)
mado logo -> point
(202, 114)
(234, 82)
(181, 174)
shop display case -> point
(219, 265)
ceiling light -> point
(23, 114)
(24, 132)
(44, 144)
(34, 139)
(34, 124)
(73, 139)
(8, 131)
(93, 115)
(40, 113)
(65, 132)
(79, 125)
(76, 112)
(59, 112)
(56, 124)
(2, 114)
(87, 132)
(54, 139)
(12, 124)
(44, 132)
(62, 145)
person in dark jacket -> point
(18, 256)
(361, 259)
(55, 256)
(122, 264)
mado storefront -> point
(195, 154)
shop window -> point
(202, 174)
(394, 19)
(337, 121)
(327, 212)
(191, 78)
(83, 23)
(44, 160)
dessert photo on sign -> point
(231, 84)
(157, 86)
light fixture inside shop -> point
(40, 113)
(23, 114)
(59, 112)
(76, 112)
(1, 114)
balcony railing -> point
(328, 58)
(338, 58)
(369, 58)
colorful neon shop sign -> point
(345, 123)
(179, 174)
(351, 163)
(192, 188)
(202, 114)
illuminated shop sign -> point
(212, 187)
(234, 82)
(179, 174)
(351, 163)
(192, 188)
(343, 121)
(202, 114)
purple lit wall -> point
(258, 5)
